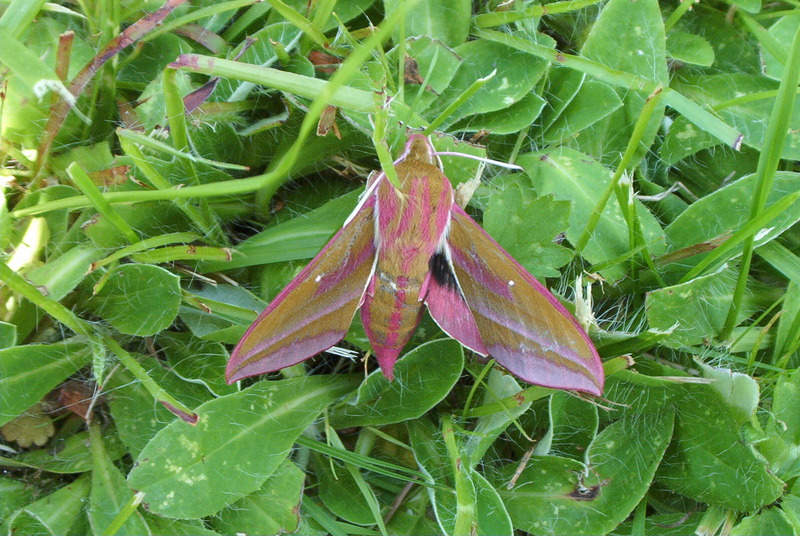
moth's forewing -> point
(315, 310)
(523, 326)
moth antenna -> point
(479, 159)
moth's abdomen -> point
(390, 314)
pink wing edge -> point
(442, 306)
(232, 371)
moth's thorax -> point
(420, 150)
(412, 218)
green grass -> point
(144, 226)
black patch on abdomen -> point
(441, 271)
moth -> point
(411, 247)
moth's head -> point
(419, 148)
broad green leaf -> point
(240, 440)
(562, 496)
(109, 493)
(573, 425)
(28, 373)
(436, 65)
(689, 48)
(562, 86)
(628, 37)
(259, 53)
(8, 335)
(713, 168)
(708, 460)
(785, 408)
(139, 299)
(220, 142)
(694, 311)
(150, 58)
(233, 308)
(459, 169)
(739, 391)
(545, 481)
(429, 451)
(735, 50)
(678, 524)
(750, 116)
(782, 32)
(55, 513)
(178, 527)
(272, 509)
(482, 499)
(211, 327)
(768, 522)
(576, 177)
(138, 417)
(148, 219)
(593, 102)
(704, 221)
(790, 503)
(413, 518)
(783, 435)
(96, 157)
(340, 493)
(491, 514)
(526, 226)
(445, 20)
(518, 116)
(517, 72)
(422, 378)
(345, 12)
(685, 139)
(431, 455)
(230, 300)
(779, 452)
